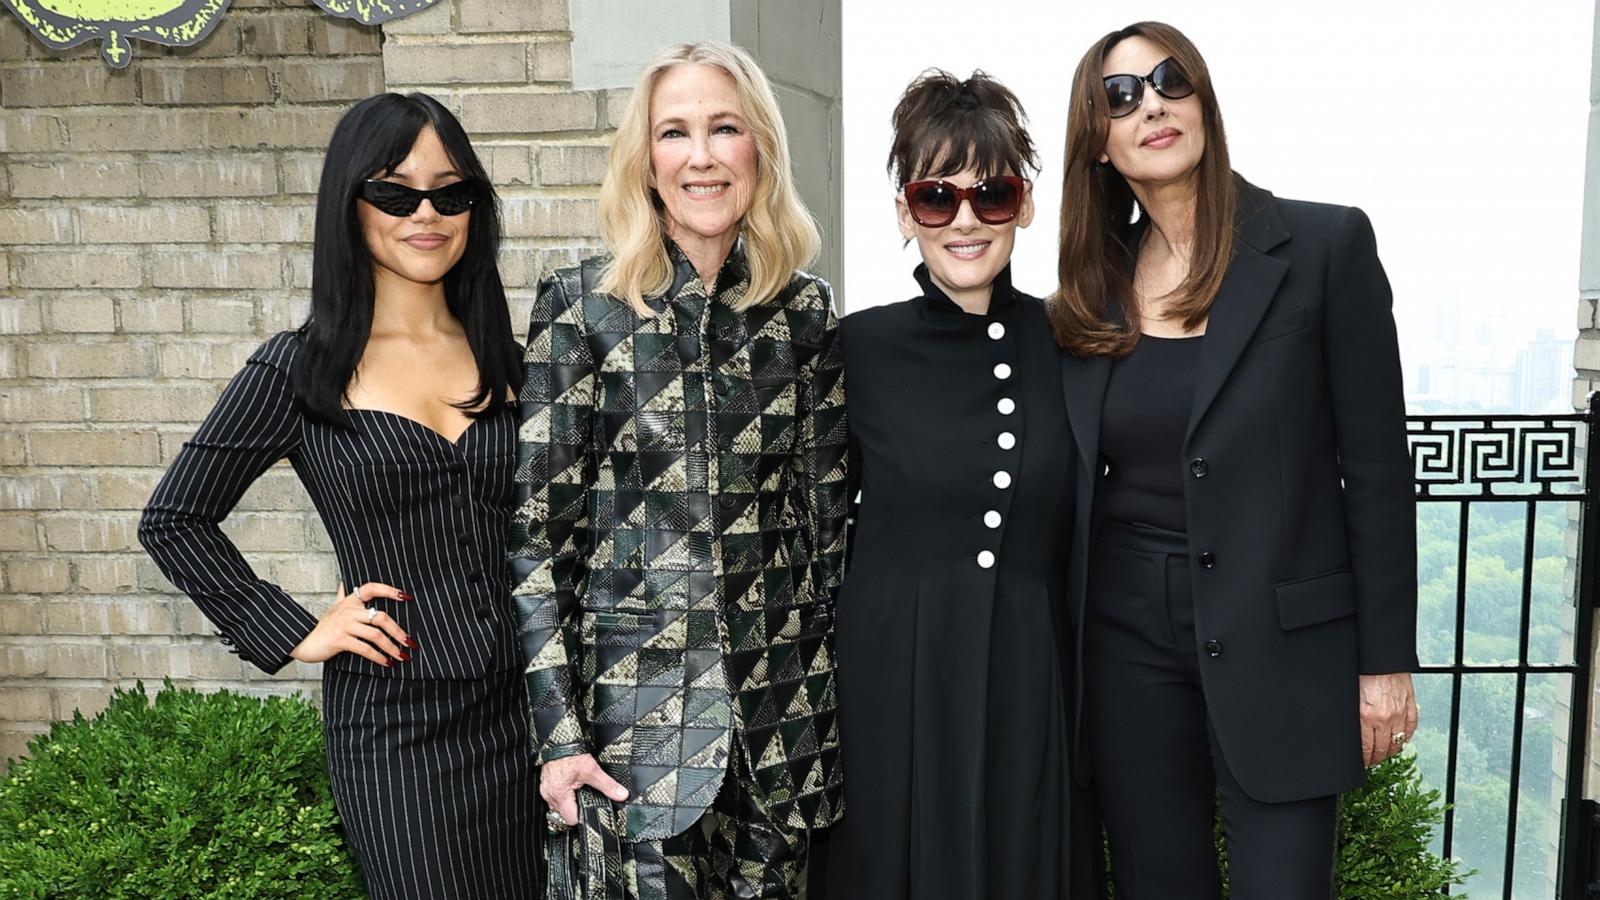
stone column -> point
(799, 46)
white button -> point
(1002, 479)
(986, 559)
(991, 519)
(1007, 440)
(1007, 406)
(996, 331)
(1002, 371)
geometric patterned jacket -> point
(679, 540)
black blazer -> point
(1299, 496)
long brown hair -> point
(1095, 261)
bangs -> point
(946, 147)
(943, 126)
(392, 135)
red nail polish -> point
(387, 664)
(404, 596)
(404, 656)
(411, 643)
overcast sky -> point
(1461, 134)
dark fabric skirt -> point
(954, 709)
(434, 782)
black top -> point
(403, 506)
(1148, 399)
(952, 650)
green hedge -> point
(194, 795)
(1384, 832)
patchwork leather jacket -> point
(679, 538)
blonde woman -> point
(680, 533)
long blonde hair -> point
(779, 233)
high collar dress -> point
(954, 657)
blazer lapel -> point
(1083, 381)
(1247, 290)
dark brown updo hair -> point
(943, 125)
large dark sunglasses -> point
(935, 202)
(1124, 93)
(399, 200)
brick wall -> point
(153, 230)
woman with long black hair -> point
(393, 403)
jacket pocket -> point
(1316, 599)
(618, 629)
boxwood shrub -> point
(192, 795)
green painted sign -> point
(60, 24)
(373, 12)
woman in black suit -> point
(1245, 494)
(954, 660)
(391, 403)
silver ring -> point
(554, 823)
(372, 613)
(359, 598)
(1399, 737)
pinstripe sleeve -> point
(254, 424)
(555, 472)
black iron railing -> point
(1488, 466)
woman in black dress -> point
(954, 659)
(391, 403)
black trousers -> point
(1157, 766)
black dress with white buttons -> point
(954, 661)
(429, 759)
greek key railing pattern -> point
(1516, 457)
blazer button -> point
(458, 500)
(1213, 649)
(725, 441)
(722, 388)
(484, 612)
(475, 577)
(996, 331)
(986, 559)
(464, 540)
(726, 500)
(1208, 560)
(1198, 467)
